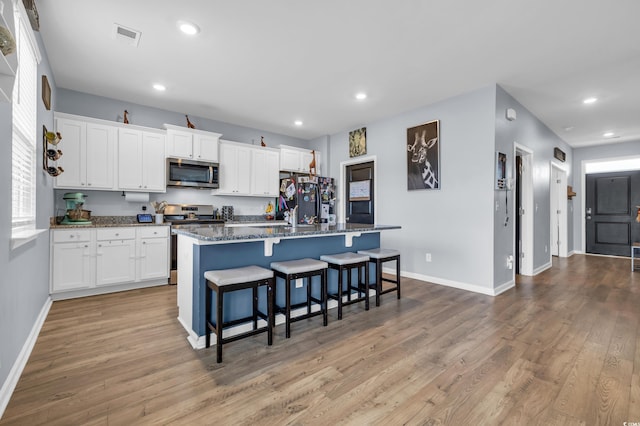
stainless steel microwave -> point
(192, 174)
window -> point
(23, 152)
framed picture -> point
(423, 156)
(46, 93)
(358, 142)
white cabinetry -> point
(265, 172)
(101, 260)
(88, 155)
(297, 160)
(115, 255)
(9, 63)
(72, 265)
(141, 164)
(235, 169)
(192, 144)
(152, 252)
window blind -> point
(25, 93)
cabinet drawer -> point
(153, 231)
(71, 235)
(115, 234)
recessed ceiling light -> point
(188, 27)
(159, 87)
(361, 96)
(589, 100)
(609, 135)
(298, 122)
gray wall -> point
(454, 223)
(530, 132)
(602, 152)
(24, 286)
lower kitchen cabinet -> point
(101, 260)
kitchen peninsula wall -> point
(112, 203)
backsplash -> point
(112, 203)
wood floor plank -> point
(561, 348)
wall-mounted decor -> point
(46, 92)
(50, 154)
(559, 154)
(358, 142)
(423, 156)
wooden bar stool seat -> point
(292, 270)
(223, 281)
(349, 261)
(379, 256)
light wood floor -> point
(560, 348)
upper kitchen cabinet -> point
(265, 169)
(8, 63)
(88, 154)
(141, 160)
(192, 144)
(297, 160)
(235, 169)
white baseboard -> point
(571, 253)
(18, 366)
(449, 283)
(542, 268)
(504, 287)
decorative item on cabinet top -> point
(49, 154)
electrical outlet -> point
(299, 283)
(428, 257)
(546, 248)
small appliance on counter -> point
(76, 215)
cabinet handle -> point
(144, 242)
(71, 236)
(89, 184)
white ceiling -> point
(265, 64)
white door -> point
(129, 159)
(154, 258)
(153, 162)
(73, 159)
(205, 148)
(179, 144)
(71, 264)
(558, 213)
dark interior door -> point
(359, 193)
(610, 212)
(518, 186)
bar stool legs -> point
(378, 257)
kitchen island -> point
(206, 247)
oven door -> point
(192, 174)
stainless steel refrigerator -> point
(315, 198)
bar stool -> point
(378, 257)
(347, 262)
(293, 270)
(223, 281)
(634, 246)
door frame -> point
(583, 198)
(563, 228)
(526, 196)
(342, 213)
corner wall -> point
(530, 132)
(453, 223)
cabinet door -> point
(71, 266)
(179, 144)
(228, 172)
(72, 161)
(272, 174)
(129, 160)
(115, 261)
(264, 173)
(289, 160)
(154, 258)
(153, 162)
(100, 150)
(205, 148)
(243, 167)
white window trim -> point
(24, 236)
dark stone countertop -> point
(234, 233)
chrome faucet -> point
(293, 217)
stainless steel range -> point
(186, 214)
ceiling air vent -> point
(128, 35)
